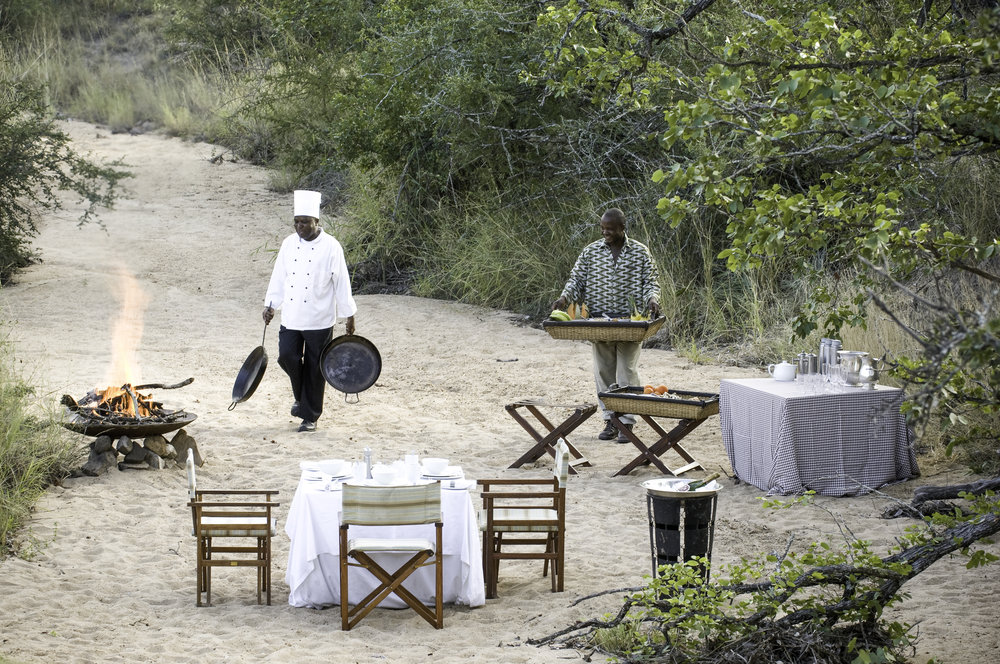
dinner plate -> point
(309, 465)
(394, 483)
(671, 488)
(449, 473)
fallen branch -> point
(791, 629)
(927, 500)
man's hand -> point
(654, 308)
(560, 303)
(350, 325)
(268, 315)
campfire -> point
(124, 418)
(118, 417)
(124, 406)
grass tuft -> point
(35, 451)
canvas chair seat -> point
(515, 520)
(218, 526)
(389, 545)
(525, 519)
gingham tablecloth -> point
(784, 440)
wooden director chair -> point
(526, 513)
(390, 506)
(232, 516)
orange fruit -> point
(661, 389)
(647, 389)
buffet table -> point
(313, 573)
(786, 438)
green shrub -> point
(35, 451)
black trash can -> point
(681, 526)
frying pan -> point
(351, 364)
(250, 373)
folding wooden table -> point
(546, 443)
(691, 409)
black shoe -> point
(622, 438)
(295, 409)
(609, 431)
(307, 426)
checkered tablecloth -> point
(784, 439)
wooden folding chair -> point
(231, 515)
(390, 506)
(530, 513)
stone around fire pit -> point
(152, 453)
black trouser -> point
(299, 355)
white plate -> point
(449, 473)
(374, 483)
(309, 465)
(671, 488)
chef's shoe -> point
(307, 426)
(609, 431)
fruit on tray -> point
(659, 390)
(559, 314)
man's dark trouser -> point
(299, 355)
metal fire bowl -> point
(89, 427)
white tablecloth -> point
(784, 439)
(313, 573)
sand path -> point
(112, 575)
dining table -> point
(313, 526)
(788, 437)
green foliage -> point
(827, 140)
(823, 603)
(34, 451)
(36, 164)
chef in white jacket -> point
(312, 288)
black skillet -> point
(351, 364)
(250, 373)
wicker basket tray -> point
(689, 405)
(601, 329)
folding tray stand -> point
(691, 409)
(547, 442)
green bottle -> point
(697, 484)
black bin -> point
(681, 528)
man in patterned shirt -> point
(612, 276)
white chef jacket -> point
(310, 283)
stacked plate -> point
(311, 473)
(449, 473)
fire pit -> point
(124, 414)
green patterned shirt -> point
(610, 287)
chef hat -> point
(307, 203)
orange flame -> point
(120, 400)
(127, 330)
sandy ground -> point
(111, 575)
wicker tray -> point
(602, 329)
(690, 405)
